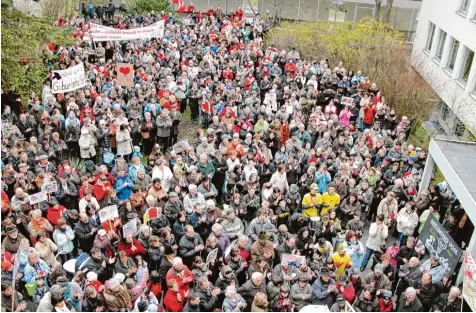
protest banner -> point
(68, 80)
(293, 259)
(346, 100)
(469, 280)
(108, 213)
(212, 256)
(440, 244)
(130, 228)
(181, 146)
(125, 74)
(104, 33)
(37, 197)
(49, 187)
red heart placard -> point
(124, 70)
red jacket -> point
(96, 284)
(171, 304)
(348, 293)
(385, 307)
(53, 215)
(99, 191)
(369, 113)
(128, 248)
(183, 280)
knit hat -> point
(91, 276)
(6, 265)
(378, 268)
(119, 277)
(111, 283)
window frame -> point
(454, 44)
(441, 45)
(466, 52)
(430, 37)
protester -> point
(264, 210)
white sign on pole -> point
(212, 256)
(37, 197)
(50, 187)
(69, 79)
(130, 228)
(104, 33)
(108, 213)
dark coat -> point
(83, 232)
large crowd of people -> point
(287, 195)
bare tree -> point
(56, 8)
(378, 4)
(388, 11)
(277, 4)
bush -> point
(26, 61)
(377, 49)
(147, 6)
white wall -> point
(459, 96)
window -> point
(441, 45)
(467, 63)
(453, 54)
(431, 34)
(464, 5)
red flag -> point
(151, 213)
(181, 6)
(176, 1)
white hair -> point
(410, 290)
(177, 260)
(36, 213)
(455, 290)
(192, 187)
(216, 227)
(210, 203)
(256, 276)
(145, 229)
(230, 291)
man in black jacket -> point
(190, 244)
(208, 295)
(86, 231)
(99, 264)
(93, 301)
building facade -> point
(444, 54)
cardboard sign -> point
(212, 256)
(440, 244)
(129, 229)
(108, 213)
(296, 260)
(104, 33)
(49, 187)
(181, 146)
(68, 80)
(125, 74)
(346, 100)
(37, 197)
(469, 280)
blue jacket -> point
(320, 295)
(124, 192)
(322, 180)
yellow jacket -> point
(341, 263)
(333, 200)
(307, 201)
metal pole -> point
(355, 12)
(299, 9)
(317, 12)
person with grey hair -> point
(204, 147)
(192, 198)
(448, 302)
(409, 274)
(409, 301)
(38, 223)
(249, 289)
(205, 166)
(208, 294)
(222, 239)
(233, 301)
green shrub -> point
(147, 6)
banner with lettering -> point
(68, 80)
(440, 244)
(469, 280)
(104, 33)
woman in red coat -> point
(131, 246)
(174, 297)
